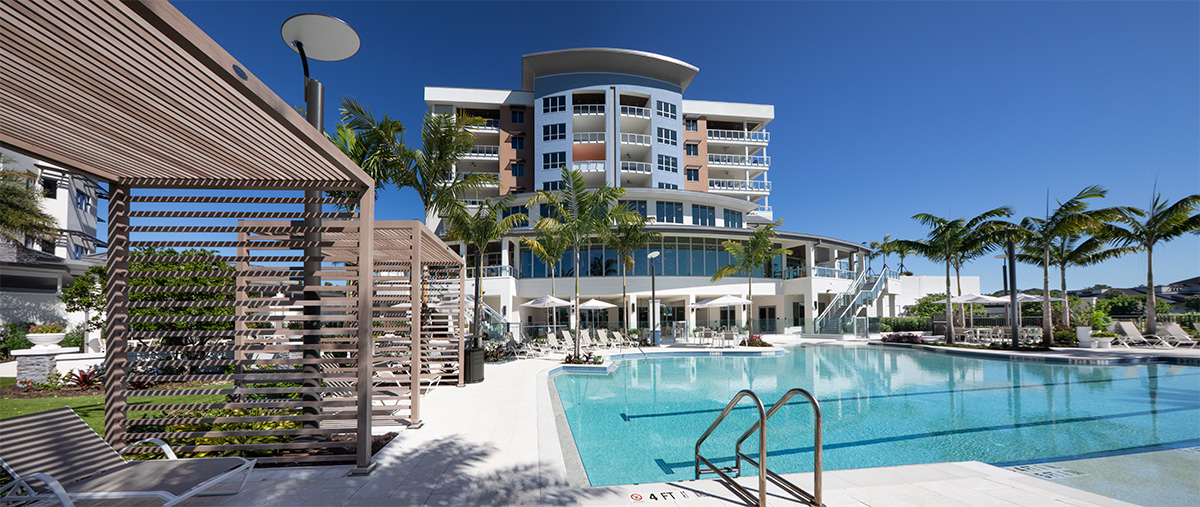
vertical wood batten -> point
(366, 334)
(116, 292)
(416, 277)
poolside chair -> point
(619, 340)
(1197, 326)
(1131, 334)
(55, 455)
(515, 349)
(553, 342)
(1177, 336)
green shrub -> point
(902, 324)
(12, 337)
(1066, 338)
(884, 327)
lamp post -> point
(653, 299)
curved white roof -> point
(623, 61)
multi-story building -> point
(700, 169)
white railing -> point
(763, 208)
(589, 109)
(761, 161)
(636, 167)
(588, 166)
(487, 125)
(756, 136)
(638, 112)
(587, 137)
(641, 139)
(483, 152)
(740, 185)
(490, 272)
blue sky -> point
(882, 109)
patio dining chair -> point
(1177, 336)
(54, 455)
(1129, 334)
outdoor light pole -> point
(653, 300)
(1014, 311)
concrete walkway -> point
(496, 443)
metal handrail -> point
(815, 497)
(762, 451)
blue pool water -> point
(882, 406)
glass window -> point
(50, 188)
(693, 174)
(512, 210)
(691, 150)
(554, 132)
(554, 160)
(518, 170)
(518, 116)
(703, 215)
(79, 252)
(733, 219)
(666, 110)
(48, 245)
(669, 212)
(668, 163)
(551, 185)
(690, 125)
(82, 202)
(638, 206)
(518, 143)
(697, 258)
(669, 266)
(667, 136)
(670, 186)
(554, 104)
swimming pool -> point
(882, 406)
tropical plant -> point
(750, 255)
(1071, 218)
(86, 294)
(957, 241)
(904, 251)
(486, 225)
(1072, 250)
(377, 146)
(21, 213)
(577, 213)
(1142, 229)
(51, 328)
(881, 248)
(549, 247)
(625, 239)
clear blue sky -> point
(882, 109)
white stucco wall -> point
(913, 288)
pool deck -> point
(495, 443)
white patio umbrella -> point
(547, 302)
(975, 299)
(729, 300)
(595, 304)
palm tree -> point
(957, 241)
(750, 255)
(478, 230)
(21, 214)
(578, 213)
(1071, 217)
(1159, 223)
(625, 239)
(377, 146)
(881, 248)
(549, 246)
(899, 248)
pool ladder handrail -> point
(763, 471)
(815, 496)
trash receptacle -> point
(474, 365)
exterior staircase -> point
(850, 303)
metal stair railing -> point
(762, 450)
(840, 302)
(815, 496)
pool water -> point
(882, 406)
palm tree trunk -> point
(1047, 326)
(1066, 314)
(949, 307)
(750, 297)
(624, 298)
(1151, 309)
(961, 306)
(576, 311)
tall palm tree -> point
(625, 239)
(904, 251)
(1074, 250)
(881, 248)
(578, 212)
(750, 255)
(377, 146)
(1161, 222)
(478, 230)
(957, 241)
(1071, 217)
(549, 246)
(21, 213)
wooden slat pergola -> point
(132, 93)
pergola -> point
(132, 93)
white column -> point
(631, 313)
(690, 313)
(504, 252)
(462, 250)
(810, 314)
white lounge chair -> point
(1131, 335)
(1177, 336)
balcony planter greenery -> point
(46, 336)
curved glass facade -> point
(681, 256)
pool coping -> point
(1047, 357)
(614, 361)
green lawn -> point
(8, 381)
(91, 408)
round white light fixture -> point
(324, 38)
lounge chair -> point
(619, 340)
(1130, 334)
(515, 349)
(55, 455)
(1177, 336)
(1197, 326)
(553, 342)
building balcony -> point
(764, 212)
(637, 139)
(739, 186)
(478, 152)
(758, 162)
(587, 137)
(588, 109)
(490, 271)
(636, 167)
(757, 137)
(588, 166)
(635, 112)
(491, 125)
(818, 271)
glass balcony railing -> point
(488, 124)
(751, 186)
(757, 161)
(804, 271)
(589, 109)
(491, 271)
(639, 139)
(740, 136)
(483, 152)
(587, 137)
(637, 112)
(589, 166)
(636, 167)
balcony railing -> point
(740, 136)
(488, 124)
(490, 271)
(492, 152)
(740, 185)
(759, 161)
(639, 139)
(637, 112)
(636, 167)
(803, 271)
(587, 137)
(589, 109)
(588, 166)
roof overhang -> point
(134, 92)
(619, 61)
